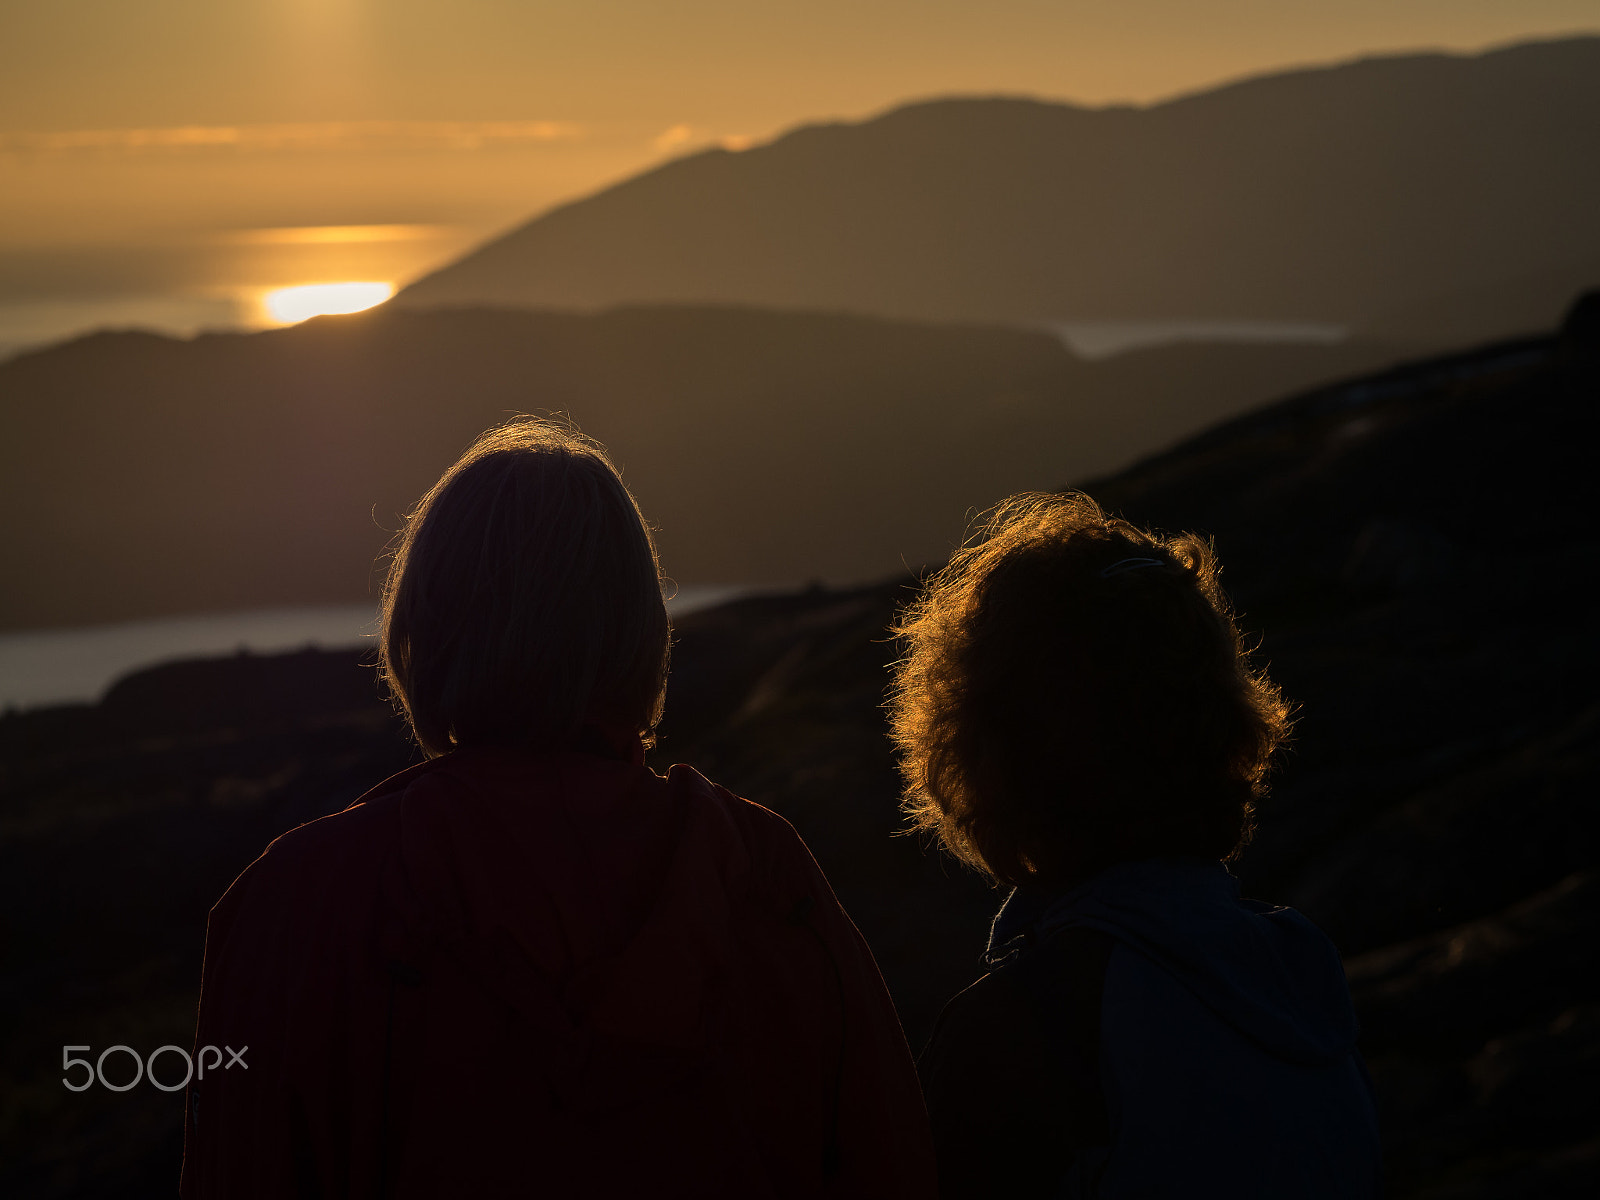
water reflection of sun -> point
(286, 306)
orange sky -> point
(140, 143)
(734, 65)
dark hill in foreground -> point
(1352, 194)
(143, 476)
(1417, 549)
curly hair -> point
(1075, 693)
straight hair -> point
(523, 600)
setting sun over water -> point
(293, 304)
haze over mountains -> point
(1432, 196)
(146, 476)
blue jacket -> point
(1227, 1040)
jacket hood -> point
(594, 897)
(1267, 971)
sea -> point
(1103, 339)
(44, 667)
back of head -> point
(523, 603)
(1076, 693)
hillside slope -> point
(1416, 551)
(1341, 194)
(144, 476)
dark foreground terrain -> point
(1416, 551)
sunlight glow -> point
(313, 135)
(670, 139)
(291, 304)
(327, 235)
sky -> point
(170, 162)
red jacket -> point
(504, 973)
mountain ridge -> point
(1332, 193)
(149, 476)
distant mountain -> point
(143, 476)
(1340, 194)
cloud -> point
(326, 235)
(319, 135)
(683, 137)
(676, 136)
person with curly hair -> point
(1078, 718)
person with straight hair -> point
(529, 965)
(1078, 718)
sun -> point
(289, 305)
